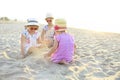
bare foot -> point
(63, 62)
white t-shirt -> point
(31, 40)
(49, 32)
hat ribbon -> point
(56, 27)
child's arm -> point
(39, 42)
(74, 48)
(22, 45)
(53, 49)
(42, 34)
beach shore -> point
(97, 57)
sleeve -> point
(24, 33)
(73, 39)
(45, 28)
(38, 35)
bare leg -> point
(30, 51)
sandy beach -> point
(97, 57)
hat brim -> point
(61, 30)
(32, 23)
(49, 18)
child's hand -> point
(22, 56)
(38, 45)
(43, 42)
(47, 55)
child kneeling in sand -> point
(47, 34)
(30, 37)
(63, 48)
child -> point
(47, 34)
(30, 37)
(63, 48)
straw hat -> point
(49, 15)
(60, 25)
(32, 21)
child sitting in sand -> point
(30, 37)
(64, 46)
(47, 34)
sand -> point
(97, 57)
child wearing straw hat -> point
(47, 34)
(30, 37)
(63, 48)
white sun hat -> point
(49, 15)
(32, 21)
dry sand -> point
(97, 57)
